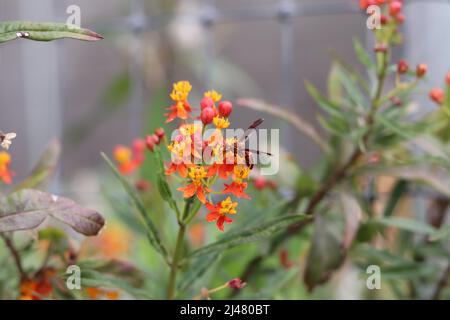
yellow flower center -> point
(227, 206)
(177, 148)
(121, 154)
(213, 95)
(181, 91)
(241, 172)
(221, 122)
(189, 129)
(197, 173)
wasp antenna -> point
(256, 123)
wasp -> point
(240, 150)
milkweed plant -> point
(215, 227)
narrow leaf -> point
(397, 193)
(322, 101)
(153, 234)
(263, 231)
(43, 31)
(198, 269)
(406, 224)
(362, 55)
(44, 169)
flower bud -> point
(380, 48)
(225, 108)
(395, 7)
(151, 141)
(400, 18)
(396, 101)
(207, 115)
(447, 79)
(437, 95)
(206, 102)
(138, 145)
(421, 70)
(160, 133)
(402, 67)
(236, 283)
(259, 182)
(364, 4)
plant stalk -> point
(15, 256)
(175, 262)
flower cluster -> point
(38, 288)
(391, 17)
(393, 9)
(200, 159)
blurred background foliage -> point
(115, 91)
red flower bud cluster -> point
(393, 9)
(403, 67)
(154, 139)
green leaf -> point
(397, 193)
(334, 85)
(92, 278)
(152, 232)
(260, 232)
(27, 209)
(323, 102)
(352, 89)
(196, 205)
(44, 168)
(402, 132)
(114, 267)
(198, 269)
(43, 31)
(406, 270)
(440, 234)
(362, 55)
(163, 186)
(406, 224)
(326, 252)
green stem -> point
(175, 261)
(178, 251)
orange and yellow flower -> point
(197, 174)
(219, 212)
(130, 159)
(238, 186)
(5, 173)
(181, 108)
(38, 288)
